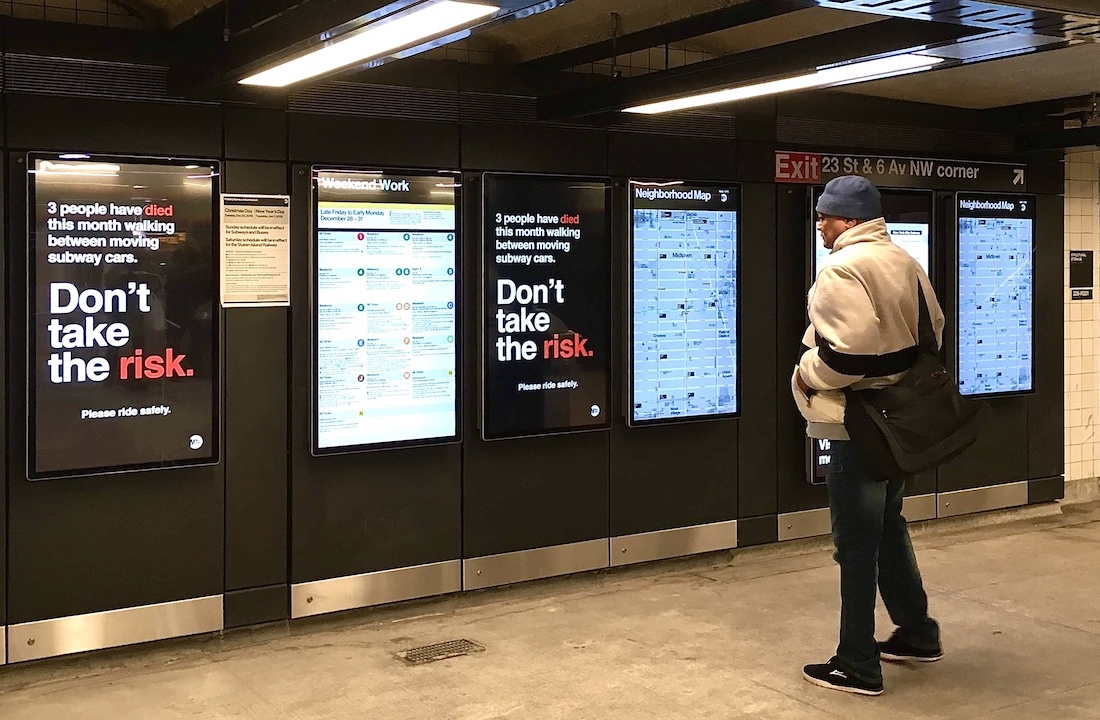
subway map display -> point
(683, 347)
(996, 293)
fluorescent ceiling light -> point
(377, 38)
(833, 75)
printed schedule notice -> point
(385, 304)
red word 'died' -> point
(154, 210)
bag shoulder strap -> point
(926, 336)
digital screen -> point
(908, 216)
(385, 309)
(122, 316)
(546, 301)
(683, 301)
(996, 293)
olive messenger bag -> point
(920, 422)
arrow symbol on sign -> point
(1018, 176)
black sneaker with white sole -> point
(898, 649)
(831, 675)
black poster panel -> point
(546, 305)
(122, 322)
(996, 293)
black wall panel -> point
(677, 475)
(761, 373)
(999, 456)
(351, 140)
(524, 493)
(665, 476)
(363, 512)
(1024, 440)
(43, 122)
(260, 177)
(673, 475)
(256, 453)
(657, 156)
(4, 478)
(255, 134)
(792, 225)
(527, 148)
(99, 543)
(274, 514)
(1046, 408)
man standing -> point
(864, 312)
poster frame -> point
(628, 304)
(315, 449)
(217, 319)
(957, 236)
(607, 182)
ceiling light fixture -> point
(391, 33)
(822, 77)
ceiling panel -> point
(176, 11)
(582, 22)
(803, 23)
(1050, 75)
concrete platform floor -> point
(721, 636)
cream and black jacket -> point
(863, 319)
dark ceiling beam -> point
(237, 35)
(796, 56)
(675, 31)
(1059, 140)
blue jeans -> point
(873, 547)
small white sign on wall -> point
(255, 252)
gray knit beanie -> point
(851, 197)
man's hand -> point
(809, 391)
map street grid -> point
(685, 314)
(995, 305)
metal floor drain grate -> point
(439, 651)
